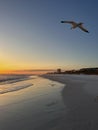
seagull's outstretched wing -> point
(74, 25)
(83, 29)
(70, 22)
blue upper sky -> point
(32, 37)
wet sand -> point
(80, 95)
(38, 107)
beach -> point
(31, 104)
(80, 95)
(51, 102)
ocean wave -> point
(6, 79)
(9, 83)
(14, 88)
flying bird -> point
(75, 25)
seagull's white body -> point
(75, 25)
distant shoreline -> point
(86, 71)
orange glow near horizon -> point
(14, 66)
(4, 69)
(24, 71)
(9, 67)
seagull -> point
(75, 25)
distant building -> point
(59, 71)
(89, 70)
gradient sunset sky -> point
(32, 37)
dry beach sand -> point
(80, 95)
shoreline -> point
(36, 108)
(80, 97)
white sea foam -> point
(5, 79)
(8, 83)
(14, 88)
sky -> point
(32, 37)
